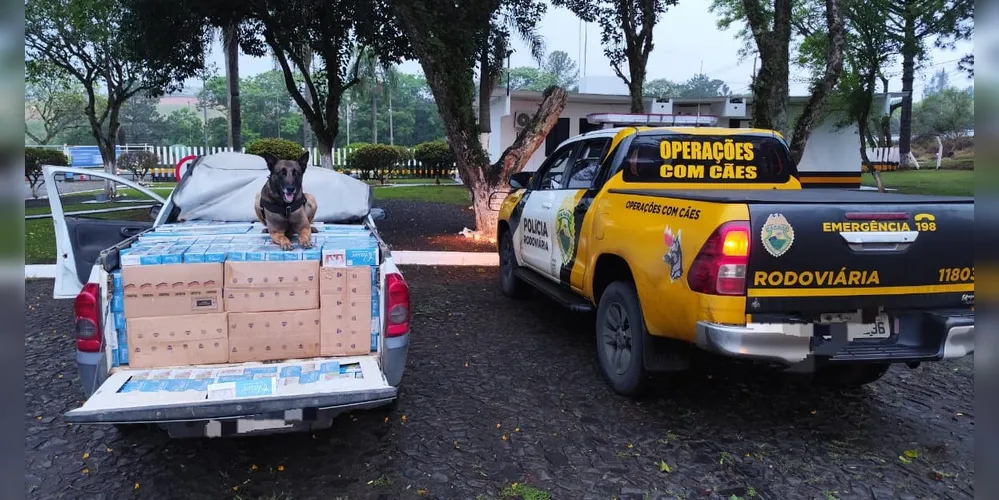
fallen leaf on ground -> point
(86, 456)
(911, 453)
(664, 467)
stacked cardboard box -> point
(273, 310)
(174, 315)
(213, 293)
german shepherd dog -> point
(282, 206)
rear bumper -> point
(920, 336)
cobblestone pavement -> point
(500, 392)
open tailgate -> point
(848, 250)
(231, 391)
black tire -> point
(510, 284)
(849, 376)
(620, 330)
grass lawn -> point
(39, 234)
(454, 195)
(444, 181)
(925, 181)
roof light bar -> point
(623, 119)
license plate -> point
(880, 329)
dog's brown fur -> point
(286, 174)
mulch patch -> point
(417, 225)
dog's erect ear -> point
(270, 159)
(303, 160)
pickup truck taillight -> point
(396, 305)
(87, 312)
(720, 267)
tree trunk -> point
(374, 118)
(325, 153)
(230, 41)
(306, 126)
(486, 84)
(635, 91)
(770, 86)
(910, 49)
(834, 66)
(530, 138)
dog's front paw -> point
(306, 242)
(286, 245)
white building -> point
(832, 154)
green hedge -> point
(283, 149)
(435, 157)
(36, 157)
(139, 163)
(375, 160)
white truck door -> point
(90, 226)
(535, 235)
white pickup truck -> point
(88, 247)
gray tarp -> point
(223, 186)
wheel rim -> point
(506, 259)
(617, 339)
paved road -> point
(499, 392)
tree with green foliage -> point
(915, 24)
(311, 40)
(868, 51)
(948, 113)
(282, 149)
(626, 35)
(138, 163)
(82, 40)
(141, 122)
(376, 160)
(447, 39)
(57, 103)
(436, 157)
(699, 86)
(516, 16)
(34, 159)
(563, 69)
(528, 78)
(770, 25)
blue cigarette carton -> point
(116, 284)
(205, 240)
(174, 254)
(118, 302)
(195, 254)
(314, 253)
(119, 321)
(256, 254)
(215, 253)
(236, 253)
(122, 347)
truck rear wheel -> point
(620, 339)
(849, 376)
(510, 284)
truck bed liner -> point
(797, 197)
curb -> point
(400, 257)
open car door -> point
(85, 226)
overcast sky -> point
(686, 38)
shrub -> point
(139, 163)
(374, 160)
(282, 149)
(436, 157)
(34, 159)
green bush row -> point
(372, 161)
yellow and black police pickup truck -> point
(700, 236)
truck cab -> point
(682, 238)
(89, 253)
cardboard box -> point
(271, 286)
(171, 290)
(267, 336)
(345, 325)
(177, 340)
(359, 281)
(332, 281)
(336, 338)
